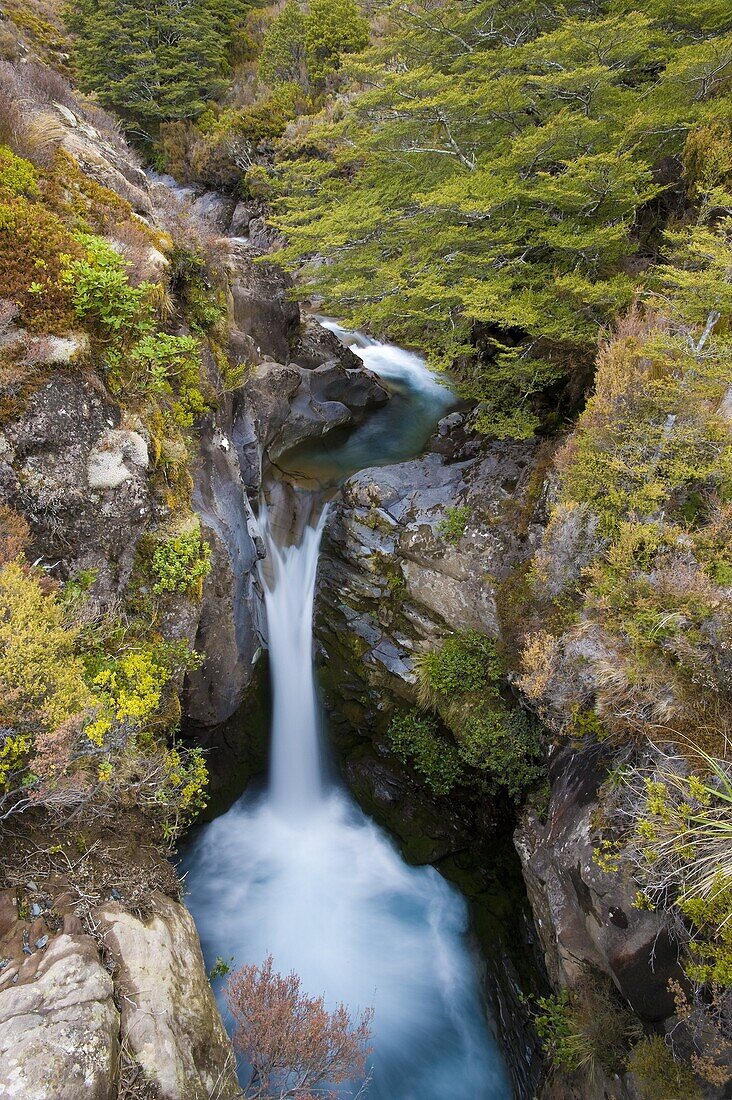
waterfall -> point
(299, 872)
(289, 591)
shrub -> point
(466, 662)
(169, 367)
(414, 737)
(289, 1037)
(661, 1076)
(34, 247)
(452, 527)
(180, 563)
(461, 682)
(102, 294)
(586, 1028)
(17, 176)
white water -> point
(301, 873)
(397, 431)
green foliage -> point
(33, 245)
(467, 662)
(712, 933)
(452, 527)
(333, 28)
(42, 677)
(102, 294)
(482, 194)
(305, 48)
(17, 176)
(587, 1028)
(661, 1076)
(461, 682)
(282, 59)
(180, 563)
(152, 63)
(169, 367)
(415, 738)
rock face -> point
(59, 1025)
(79, 479)
(585, 916)
(392, 584)
(169, 1019)
(231, 623)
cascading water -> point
(300, 872)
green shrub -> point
(102, 295)
(467, 661)
(505, 744)
(461, 682)
(586, 1029)
(17, 176)
(180, 563)
(454, 524)
(170, 368)
(661, 1076)
(414, 737)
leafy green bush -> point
(586, 1028)
(170, 368)
(180, 563)
(18, 176)
(102, 294)
(414, 737)
(454, 524)
(460, 681)
(466, 662)
(661, 1076)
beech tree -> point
(293, 1044)
(152, 61)
(494, 184)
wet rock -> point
(59, 1027)
(585, 916)
(266, 319)
(289, 404)
(231, 620)
(169, 1020)
(392, 585)
(215, 209)
(316, 345)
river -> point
(298, 871)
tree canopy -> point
(499, 178)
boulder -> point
(59, 1026)
(169, 1020)
(215, 209)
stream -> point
(296, 869)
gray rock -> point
(169, 1019)
(59, 1026)
(215, 209)
(266, 319)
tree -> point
(333, 28)
(282, 60)
(294, 1046)
(493, 185)
(152, 61)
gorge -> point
(422, 687)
